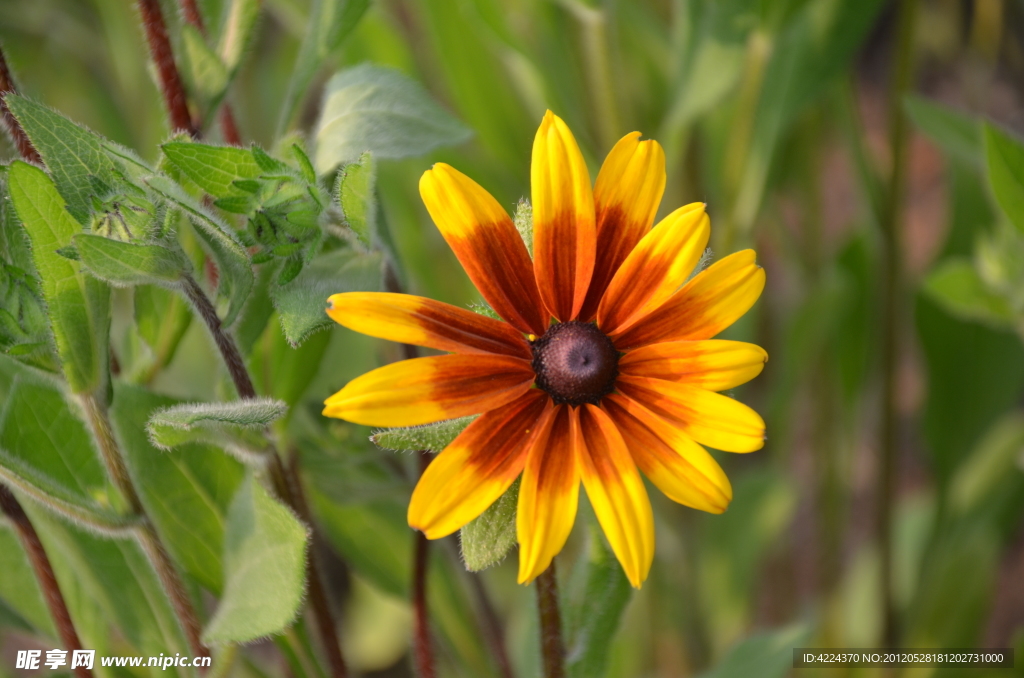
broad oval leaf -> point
(264, 567)
(125, 264)
(488, 538)
(1005, 158)
(380, 110)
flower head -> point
(602, 367)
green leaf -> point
(207, 76)
(265, 568)
(232, 260)
(236, 426)
(213, 168)
(186, 494)
(356, 193)
(992, 461)
(19, 589)
(73, 154)
(1005, 158)
(162, 318)
(330, 22)
(488, 538)
(45, 452)
(956, 285)
(79, 307)
(125, 264)
(766, 655)
(593, 614)
(380, 110)
(238, 32)
(372, 536)
(957, 134)
(434, 437)
(301, 302)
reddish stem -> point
(30, 541)
(423, 651)
(552, 649)
(21, 140)
(170, 79)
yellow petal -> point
(483, 237)
(564, 235)
(476, 468)
(709, 418)
(683, 470)
(424, 390)
(549, 493)
(616, 492)
(626, 198)
(711, 364)
(713, 300)
(656, 268)
(424, 322)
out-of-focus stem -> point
(21, 140)
(225, 343)
(423, 650)
(492, 625)
(594, 27)
(30, 541)
(552, 648)
(163, 56)
(891, 298)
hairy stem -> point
(225, 343)
(170, 79)
(423, 651)
(891, 298)
(290, 483)
(99, 422)
(172, 584)
(21, 140)
(286, 481)
(29, 538)
(552, 649)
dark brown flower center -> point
(575, 363)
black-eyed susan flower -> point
(602, 367)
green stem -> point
(594, 24)
(891, 302)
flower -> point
(602, 366)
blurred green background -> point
(785, 118)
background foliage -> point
(784, 117)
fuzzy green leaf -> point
(356, 193)
(380, 110)
(125, 264)
(524, 223)
(301, 302)
(1005, 157)
(79, 306)
(236, 426)
(265, 568)
(73, 154)
(594, 612)
(162, 318)
(213, 168)
(488, 538)
(19, 589)
(434, 437)
(194, 481)
(330, 22)
(232, 259)
(956, 285)
(45, 452)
